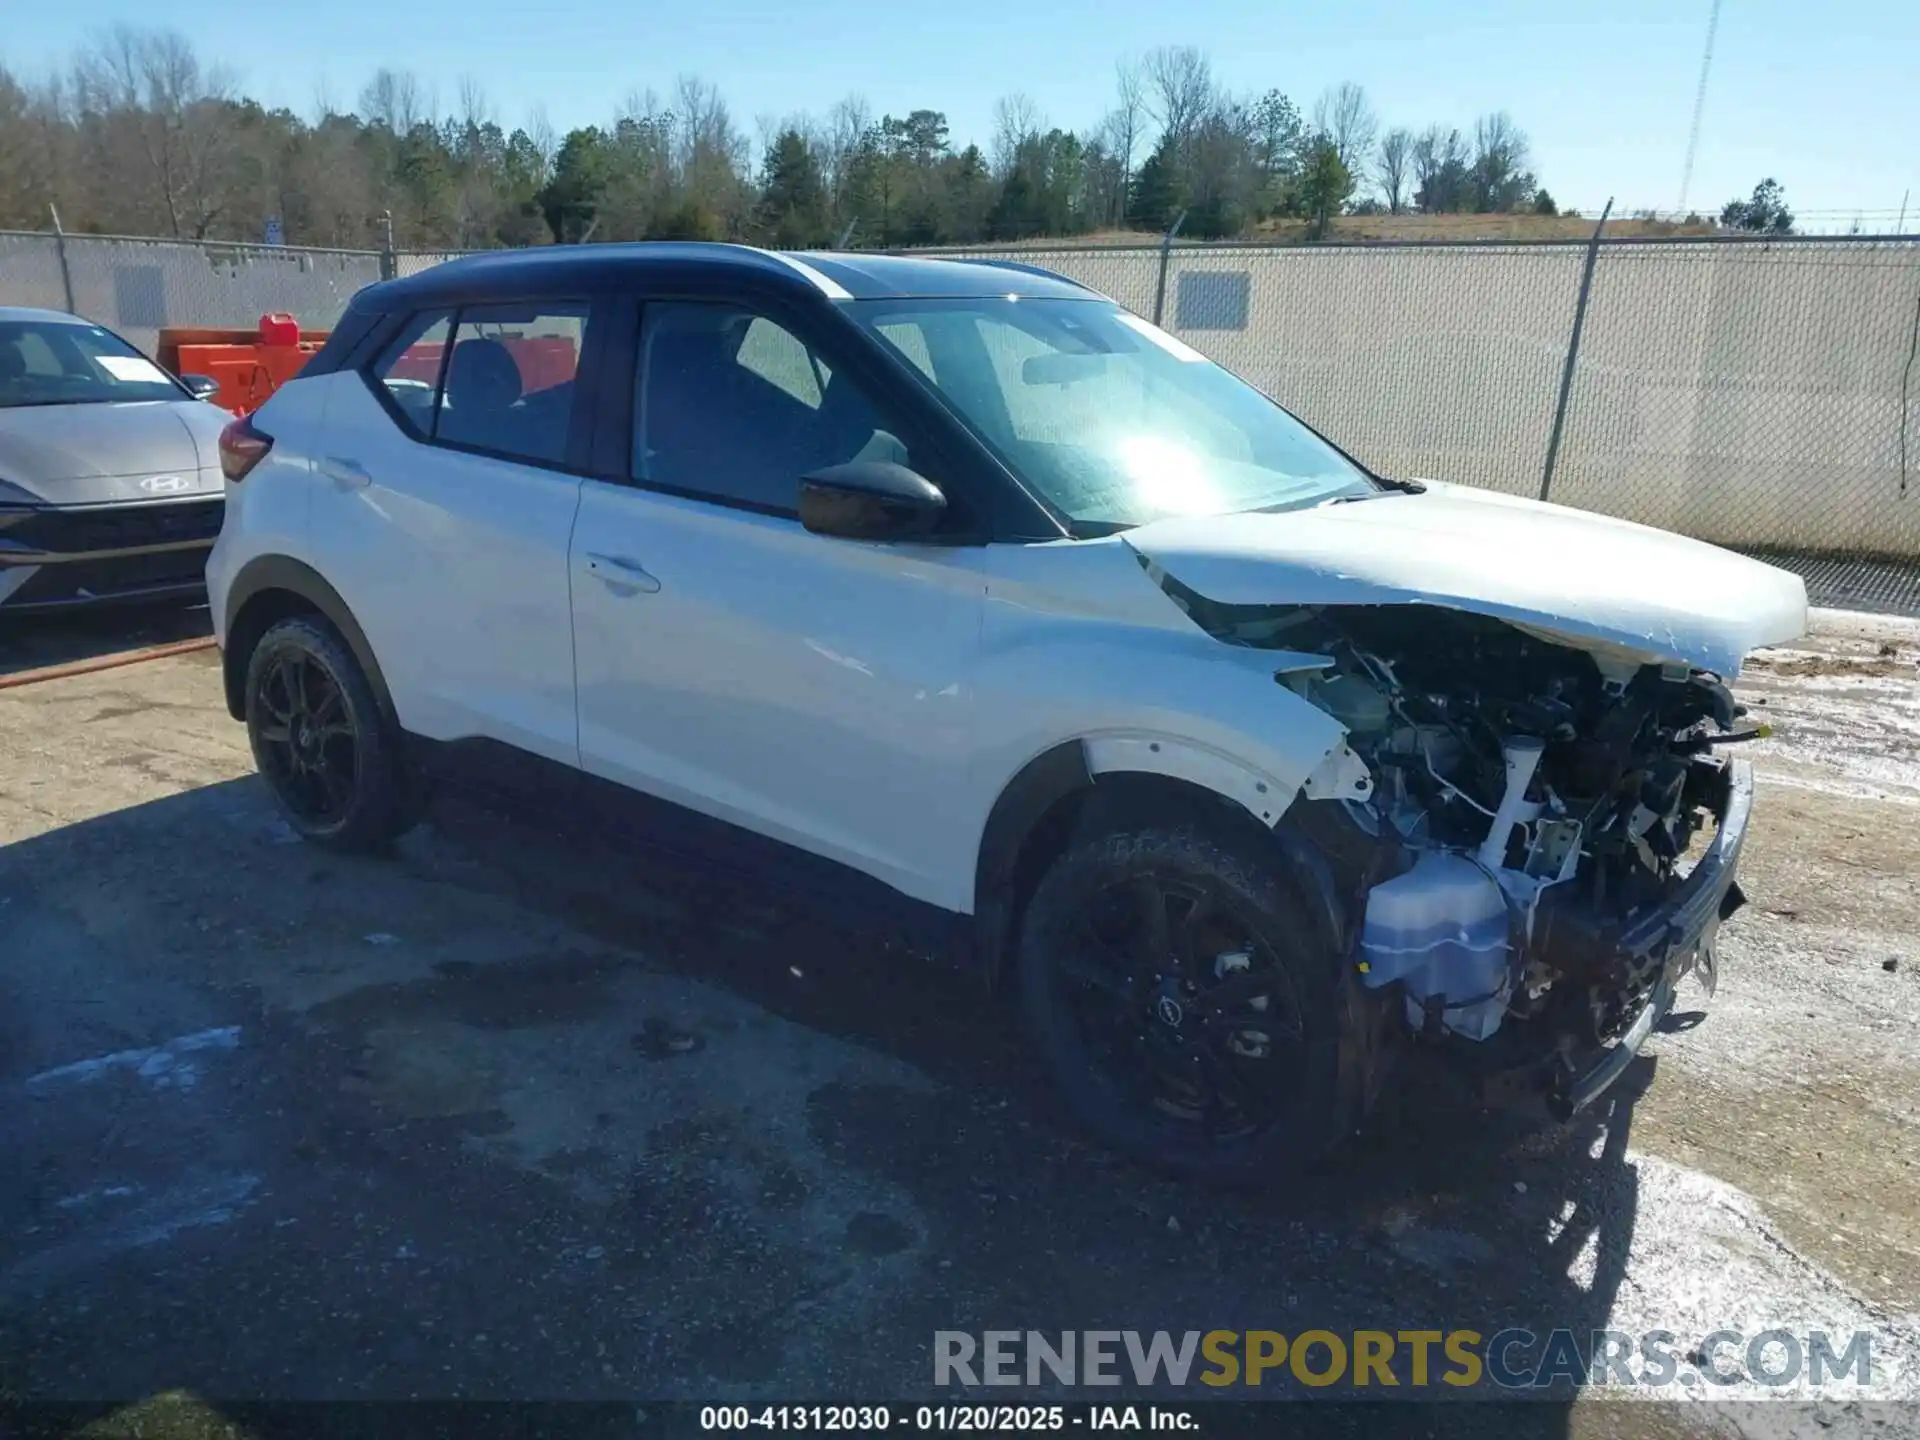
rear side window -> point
(408, 368)
(509, 383)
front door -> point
(812, 690)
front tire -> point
(1187, 1001)
(321, 741)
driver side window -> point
(734, 408)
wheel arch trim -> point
(269, 573)
(1075, 768)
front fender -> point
(1258, 791)
(1080, 648)
(1165, 702)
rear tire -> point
(1198, 1032)
(320, 739)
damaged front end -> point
(1549, 830)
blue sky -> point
(1826, 97)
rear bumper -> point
(62, 558)
(1672, 939)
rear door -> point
(815, 691)
(443, 512)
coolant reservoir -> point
(1441, 929)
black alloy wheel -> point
(1181, 1005)
(1187, 1001)
(324, 744)
(305, 738)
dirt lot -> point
(509, 1116)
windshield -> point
(45, 362)
(1108, 417)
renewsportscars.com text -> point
(1509, 1359)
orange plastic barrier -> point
(249, 364)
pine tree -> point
(792, 213)
(1157, 193)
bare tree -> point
(476, 110)
(1439, 160)
(1394, 166)
(1345, 116)
(1127, 119)
(1501, 180)
(546, 141)
(325, 102)
(1015, 118)
(1224, 170)
(395, 99)
(155, 104)
(473, 135)
(703, 125)
(845, 131)
(1180, 90)
(710, 155)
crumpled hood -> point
(81, 454)
(1577, 575)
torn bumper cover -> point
(1666, 941)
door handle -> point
(345, 473)
(622, 574)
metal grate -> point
(1840, 582)
(81, 531)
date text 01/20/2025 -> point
(996, 1419)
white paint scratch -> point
(192, 1204)
(162, 1066)
(87, 1197)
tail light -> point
(243, 445)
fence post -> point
(60, 250)
(389, 262)
(1166, 254)
(1573, 349)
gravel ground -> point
(506, 1115)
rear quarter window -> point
(408, 366)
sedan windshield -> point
(1108, 417)
(46, 362)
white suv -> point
(961, 597)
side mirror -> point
(870, 500)
(201, 387)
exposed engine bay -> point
(1533, 808)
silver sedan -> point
(110, 482)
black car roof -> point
(837, 276)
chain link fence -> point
(140, 287)
(1759, 394)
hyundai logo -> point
(165, 484)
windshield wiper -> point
(1391, 488)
